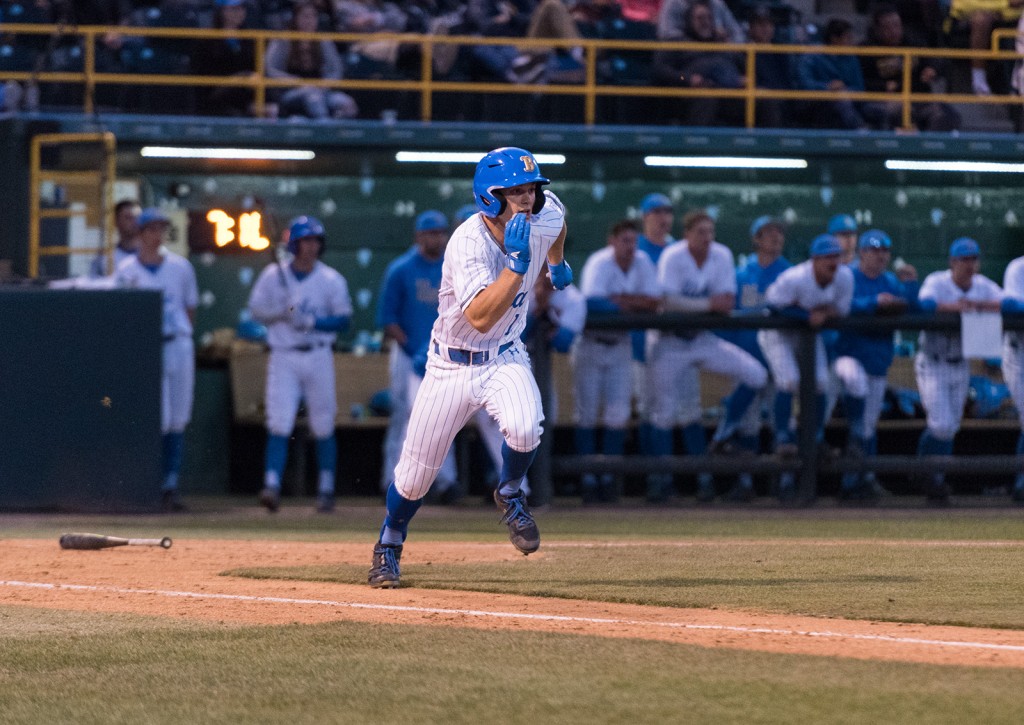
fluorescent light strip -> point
(182, 152)
(463, 157)
(725, 162)
(979, 166)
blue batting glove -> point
(517, 244)
(419, 363)
(563, 339)
(561, 275)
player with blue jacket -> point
(864, 356)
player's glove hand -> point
(561, 275)
(517, 244)
(301, 320)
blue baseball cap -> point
(874, 239)
(825, 245)
(151, 215)
(653, 202)
(765, 221)
(841, 223)
(431, 221)
(230, 3)
(964, 247)
(465, 212)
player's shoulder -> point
(722, 253)
(329, 273)
(553, 204)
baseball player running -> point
(741, 424)
(155, 267)
(614, 279)
(942, 372)
(406, 312)
(864, 357)
(696, 275)
(304, 304)
(476, 359)
(816, 291)
(1013, 363)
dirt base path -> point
(186, 582)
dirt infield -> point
(187, 582)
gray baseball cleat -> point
(384, 572)
(522, 529)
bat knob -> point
(166, 542)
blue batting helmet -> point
(305, 226)
(502, 169)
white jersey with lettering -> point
(175, 278)
(1013, 342)
(675, 355)
(601, 356)
(469, 369)
(797, 287)
(301, 364)
(943, 375)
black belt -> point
(468, 357)
(950, 360)
(302, 348)
(170, 338)
(608, 341)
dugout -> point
(368, 199)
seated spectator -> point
(833, 73)
(502, 19)
(885, 74)
(226, 57)
(980, 17)
(695, 69)
(372, 16)
(772, 70)
(308, 59)
(672, 21)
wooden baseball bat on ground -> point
(98, 541)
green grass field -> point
(960, 566)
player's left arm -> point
(340, 309)
(558, 269)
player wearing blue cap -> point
(157, 268)
(406, 311)
(741, 423)
(844, 228)
(943, 374)
(864, 356)
(1013, 357)
(304, 305)
(817, 290)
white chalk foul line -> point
(519, 615)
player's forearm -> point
(491, 304)
(556, 254)
(679, 303)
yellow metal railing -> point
(427, 86)
(103, 178)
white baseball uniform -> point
(674, 356)
(467, 369)
(176, 280)
(602, 356)
(942, 372)
(797, 287)
(1013, 342)
(301, 365)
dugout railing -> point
(592, 88)
(807, 465)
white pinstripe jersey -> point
(940, 288)
(323, 292)
(797, 287)
(472, 261)
(176, 280)
(678, 273)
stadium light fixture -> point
(725, 162)
(463, 157)
(961, 166)
(232, 154)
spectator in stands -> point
(696, 69)
(639, 11)
(980, 17)
(885, 74)
(372, 16)
(226, 57)
(672, 21)
(772, 70)
(834, 73)
(308, 59)
(503, 19)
